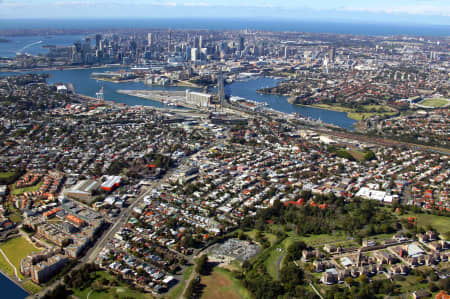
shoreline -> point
(15, 281)
(343, 110)
(62, 68)
(350, 114)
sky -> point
(395, 11)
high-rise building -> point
(169, 45)
(220, 89)
(241, 43)
(200, 42)
(98, 40)
(332, 54)
(149, 39)
(196, 42)
(194, 54)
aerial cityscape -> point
(185, 154)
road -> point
(188, 282)
(121, 220)
(278, 263)
(93, 252)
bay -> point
(85, 85)
(10, 290)
(34, 44)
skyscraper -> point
(196, 42)
(200, 42)
(169, 44)
(332, 54)
(220, 89)
(98, 39)
(241, 43)
(149, 39)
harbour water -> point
(10, 290)
(34, 44)
(85, 85)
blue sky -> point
(412, 11)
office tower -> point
(149, 39)
(332, 54)
(194, 54)
(241, 43)
(98, 40)
(200, 42)
(196, 42)
(169, 44)
(220, 89)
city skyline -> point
(418, 11)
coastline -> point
(357, 116)
(115, 81)
(62, 68)
(347, 111)
(15, 281)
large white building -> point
(198, 98)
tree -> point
(202, 265)
(294, 251)
(291, 275)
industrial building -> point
(198, 99)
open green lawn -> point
(358, 155)
(14, 215)
(410, 284)
(351, 113)
(221, 284)
(5, 267)
(332, 107)
(19, 191)
(120, 291)
(440, 223)
(365, 115)
(271, 261)
(270, 237)
(316, 240)
(8, 174)
(16, 249)
(175, 292)
(435, 103)
(31, 287)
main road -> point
(93, 252)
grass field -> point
(365, 115)
(4, 175)
(435, 103)
(120, 291)
(410, 284)
(5, 267)
(16, 249)
(269, 236)
(440, 223)
(222, 285)
(316, 240)
(19, 191)
(271, 261)
(175, 292)
(14, 215)
(351, 113)
(31, 287)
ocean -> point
(356, 28)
